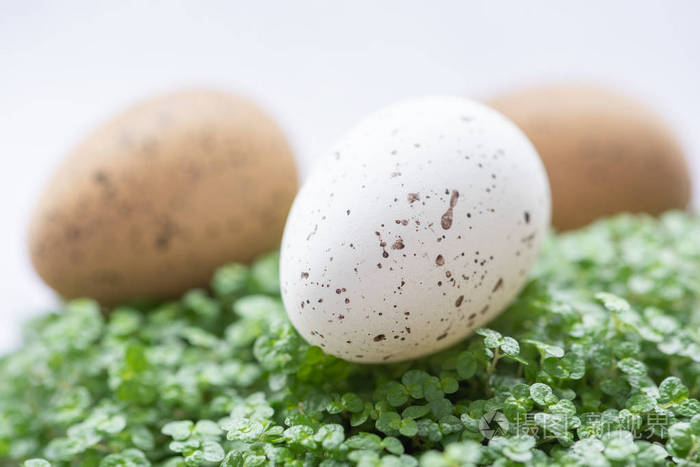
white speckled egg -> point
(420, 225)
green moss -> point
(596, 363)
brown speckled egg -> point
(604, 152)
(154, 200)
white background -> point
(319, 66)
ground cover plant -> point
(596, 363)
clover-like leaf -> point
(178, 430)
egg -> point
(604, 152)
(150, 203)
(418, 226)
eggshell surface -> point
(418, 226)
(604, 152)
(150, 203)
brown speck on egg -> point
(528, 238)
(446, 219)
(379, 338)
(413, 197)
(527, 217)
(101, 177)
(304, 275)
(398, 245)
(498, 285)
(440, 261)
(308, 237)
(459, 301)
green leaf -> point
(242, 429)
(359, 418)
(672, 391)
(492, 339)
(265, 274)
(114, 424)
(141, 437)
(462, 453)
(364, 441)
(687, 408)
(128, 458)
(413, 381)
(546, 350)
(352, 403)
(432, 389)
(510, 347)
(640, 403)
(632, 367)
(563, 407)
(519, 449)
(612, 302)
(650, 454)
(393, 445)
(542, 394)
(388, 422)
(178, 430)
(695, 425)
(330, 436)
(555, 367)
(466, 365)
(614, 387)
(212, 451)
(396, 395)
(441, 407)
(36, 463)
(230, 281)
(408, 427)
(619, 445)
(449, 385)
(415, 411)
(681, 439)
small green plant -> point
(596, 363)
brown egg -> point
(604, 152)
(153, 201)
